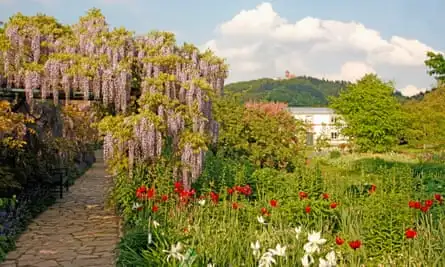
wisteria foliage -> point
(175, 84)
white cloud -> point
(411, 90)
(350, 71)
(116, 1)
(260, 43)
(45, 2)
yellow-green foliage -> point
(267, 140)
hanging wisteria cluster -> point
(175, 84)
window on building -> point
(334, 135)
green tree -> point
(373, 116)
(426, 119)
(436, 66)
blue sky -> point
(199, 22)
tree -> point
(264, 133)
(436, 65)
(373, 116)
(426, 119)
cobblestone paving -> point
(75, 231)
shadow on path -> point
(75, 231)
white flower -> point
(136, 205)
(315, 240)
(256, 248)
(298, 231)
(175, 252)
(307, 260)
(323, 263)
(311, 248)
(202, 202)
(332, 260)
(150, 238)
(261, 220)
(315, 237)
(156, 224)
(266, 260)
(278, 251)
(211, 265)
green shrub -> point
(334, 154)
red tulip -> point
(325, 196)
(333, 205)
(235, 205)
(339, 241)
(424, 208)
(302, 195)
(273, 203)
(439, 198)
(230, 191)
(155, 208)
(308, 209)
(164, 198)
(178, 187)
(429, 202)
(215, 197)
(372, 189)
(410, 233)
(417, 205)
(355, 244)
(141, 192)
(151, 193)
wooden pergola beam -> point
(13, 92)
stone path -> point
(75, 231)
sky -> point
(341, 39)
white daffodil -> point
(256, 248)
(315, 237)
(202, 202)
(261, 220)
(331, 258)
(297, 231)
(307, 260)
(278, 251)
(266, 260)
(175, 252)
(136, 205)
(155, 224)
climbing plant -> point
(156, 88)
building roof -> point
(310, 110)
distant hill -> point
(298, 91)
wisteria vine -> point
(175, 84)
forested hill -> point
(299, 91)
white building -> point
(322, 124)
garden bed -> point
(371, 212)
